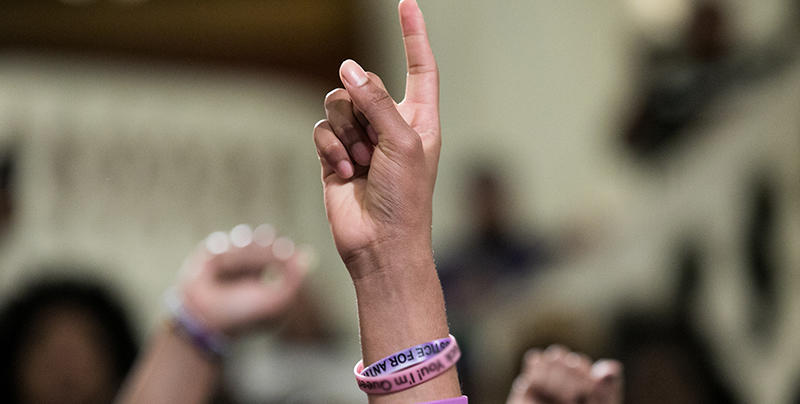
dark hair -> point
(20, 314)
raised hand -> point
(558, 376)
(379, 162)
(222, 287)
(379, 159)
(223, 279)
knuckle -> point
(412, 143)
(380, 99)
(374, 78)
(423, 68)
(406, 147)
(330, 150)
(345, 129)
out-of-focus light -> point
(217, 242)
(660, 20)
(241, 235)
(308, 258)
(283, 248)
(264, 235)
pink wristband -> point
(458, 400)
(406, 358)
(409, 377)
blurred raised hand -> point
(222, 285)
(223, 280)
(558, 376)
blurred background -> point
(622, 177)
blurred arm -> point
(172, 370)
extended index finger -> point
(422, 85)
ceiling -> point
(308, 37)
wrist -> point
(178, 336)
(194, 328)
(406, 255)
(399, 305)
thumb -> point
(608, 382)
(372, 99)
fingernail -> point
(353, 73)
(361, 154)
(603, 370)
(344, 169)
(331, 93)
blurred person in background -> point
(683, 83)
(496, 251)
(64, 341)
(666, 359)
(489, 261)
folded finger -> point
(275, 298)
(393, 131)
(362, 119)
(332, 153)
(251, 259)
(341, 116)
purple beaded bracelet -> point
(214, 344)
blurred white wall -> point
(124, 168)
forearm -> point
(172, 370)
(400, 304)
